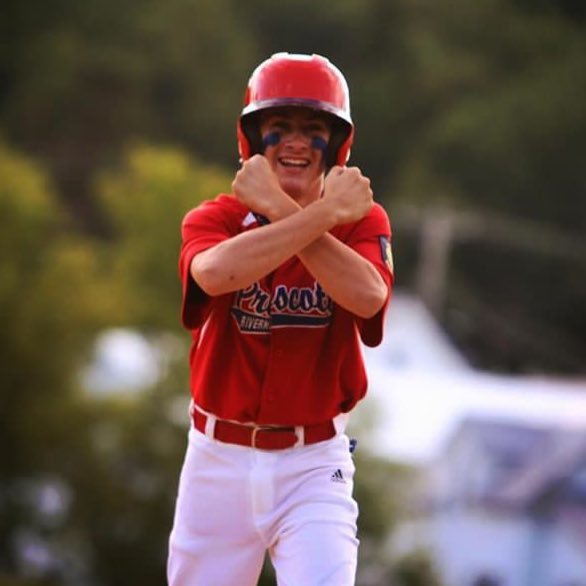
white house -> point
(503, 500)
(505, 505)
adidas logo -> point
(337, 476)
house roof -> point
(414, 341)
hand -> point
(257, 186)
(348, 190)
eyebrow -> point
(317, 123)
(312, 123)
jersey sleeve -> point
(202, 228)
(371, 238)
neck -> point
(304, 198)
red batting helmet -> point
(287, 79)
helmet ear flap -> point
(338, 151)
(248, 134)
(344, 150)
(243, 143)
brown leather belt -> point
(264, 437)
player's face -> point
(295, 140)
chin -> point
(300, 189)
(294, 188)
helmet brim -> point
(316, 105)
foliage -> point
(51, 308)
(111, 466)
(48, 301)
(503, 143)
(126, 479)
(81, 79)
(382, 491)
(145, 200)
(415, 569)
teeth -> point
(294, 162)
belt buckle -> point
(258, 428)
(255, 430)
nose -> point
(301, 140)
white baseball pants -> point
(234, 503)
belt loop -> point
(210, 425)
(253, 436)
(300, 433)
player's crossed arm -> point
(348, 278)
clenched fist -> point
(349, 191)
(257, 186)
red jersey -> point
(280, 351)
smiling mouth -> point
(293, 163)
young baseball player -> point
(282, 280)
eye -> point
(317, 130)
(280, 126)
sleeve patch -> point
(386, 252)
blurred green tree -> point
(79, 80)
(109, 464)
(505, 138)
(512, 141)
(145, 200)
(415, 569)
(52, 302)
